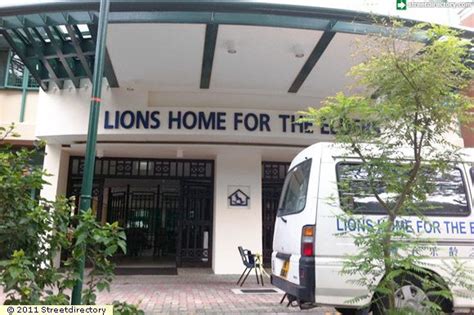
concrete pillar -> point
(236, 226)
(56, 163)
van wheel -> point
(352, 311)
(409, 297)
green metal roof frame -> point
(62, 59)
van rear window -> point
(295, 189)
(447, 196)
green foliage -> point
(397, 128)
(33, 231)
(102, 241)
(122, 308)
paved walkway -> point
(197, 291)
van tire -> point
(380, 303)
(352, 311)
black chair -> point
(248, 259)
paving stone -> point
(195, 291)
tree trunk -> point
(387, 257)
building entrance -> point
(164, 206)
(273, 177)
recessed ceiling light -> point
(298, 51)
(230, 46)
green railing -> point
(14, 74)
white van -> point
(308, 254)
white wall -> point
(10, 107)
(56, 163)
(70, 110)
(236, 227)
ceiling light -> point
(230, 46)
(298, 51)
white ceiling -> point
(265, 58)
(167, 58)
(161, 55)
(329, 76)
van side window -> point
(447, 196)
(295, 189)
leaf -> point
(109, 251)
(123, 246)
(81, 238)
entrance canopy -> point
(255, 47)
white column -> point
(235, 227)
(56, 163)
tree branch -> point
(372, 188)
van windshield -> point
(295, 188)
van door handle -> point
(283, 219)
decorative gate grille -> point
(187, 228)
(273, 177)
(195, 224)
(74, 189)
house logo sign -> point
(238, 199)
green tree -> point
(397, 128)
(34, 230)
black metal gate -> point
(74, 189)
(157, 222)
(273, 176)
(117, 207)
(167, 233)
(195, 224)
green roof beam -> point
(284, 13)
(20, 48)
(78, 32)
(108, 68)
(21, 36)
(56, 42)
(313, 59)
(208, 55)
(76, 42)
(62, 74)
(43, 19)
(87, 47)
(59, 33)
(39, 52)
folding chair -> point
(248, 259)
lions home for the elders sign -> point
(208, 120)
